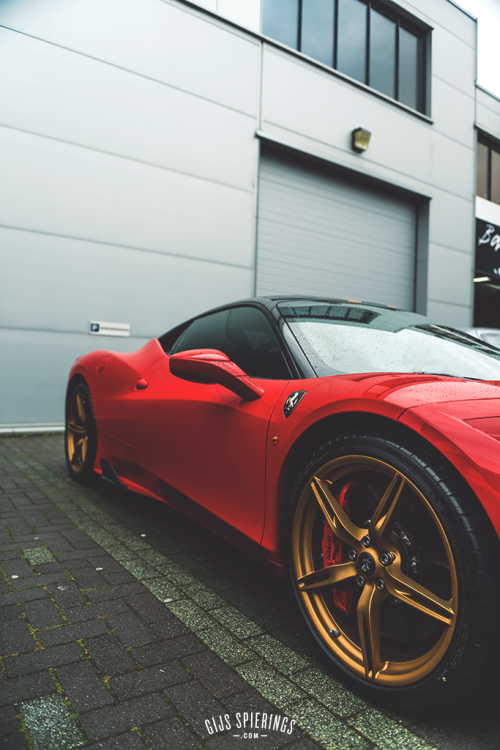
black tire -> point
(421, 631)
(80, 437)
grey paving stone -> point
(15, 742)
(42, 614)
(304, 744)
(110, 655)
(262, 741)
(100, 609)
(16, 546)
(469, 725)
(67, 594)
(249, 700)
(83, 687)
(24, 688)
(20, 568)
(58, 545)
(11, 612)
(157, 653)
(195, 704)
(15, 637)
(214, 674)
(134, 713)
(217, 584)
(54, 567)
(76, 535)
(149, 680)
(37, 580)
(171, 733)
(16, 666)
(245, 602)
(14, 554)
(107, 563)
(187, 561)
(169, 628)
(116, 592)
(130, 741)
(67, 633)
(116, 578)
(51, 527)
(87, 578)
(149, 608)
(18, 528)
(88, 545)
(131, 629)
(8, 721)
(77, 554)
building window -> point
(365, 39)
(488, 169)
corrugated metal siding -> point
(320, 233)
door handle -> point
(141, 384)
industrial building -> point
(161, 157)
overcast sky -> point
(488, 14)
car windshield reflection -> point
(342, 339)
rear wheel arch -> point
(75, 380)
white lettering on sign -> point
(493, 241)
(100, 328)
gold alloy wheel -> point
(77, 432)
(396, 561)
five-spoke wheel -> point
(375, 565)
(80, 437)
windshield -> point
(340, 338)
(491, 338)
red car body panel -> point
(223, 461)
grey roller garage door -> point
(323, 233)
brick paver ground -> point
(124, 625)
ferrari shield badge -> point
(292, 401)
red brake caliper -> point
(333, 553)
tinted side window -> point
(245, 335)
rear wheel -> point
(80, 440)
(394, 567)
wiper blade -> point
(444, 375)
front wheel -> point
(394, 567)
(80, 438)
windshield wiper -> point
(444, 375)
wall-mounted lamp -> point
(360, 140)
(481, 278)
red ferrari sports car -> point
(351, 447)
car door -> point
(203, 440)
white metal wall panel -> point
(324, 234)
(173, 44)
(53, 187)
(78, 281)
(81, 101)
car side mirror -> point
(211, 366)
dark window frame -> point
(492, 145)
(402, 20)
(169, 339)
